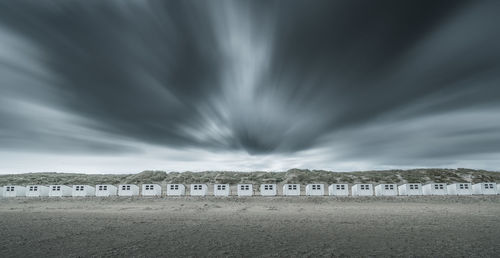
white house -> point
(128, 190)
(291, 189)
(315, 189)
(245, 189)
(82, 191)
(268, 190)
(37, 191)
(175, 189)
(105, 190)
(410, 189)
(338, 189)
(362, 190)
(221, 190)
(485, 188)
(386, 190)
(434, 189)
(460, 189)
(151, 190)
(14, 191)
(59, 191)
(198, 190)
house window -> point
(292, 187)
(340, 187)
(245, 187)
(10, 189)
(197, 187)
(174, 187)
(412, 187)
(79, 188)
(416, 187)
(149, 187)
(388, 187)
(221, 187)
(461, 186)
(466, 186)
(56, 188)
(126, 187)
(365, 187)
(268, 187)
(316, 187)
(33, 188)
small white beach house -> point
(105, 190)
(386, 190)
(315, 190)
(82, 191)
(198, 190)
(128, 190)
(338, 189)
(291, 189)
(221, 190)
(59, 191)
(37, 191)
(268, 190)
(151, 190)
(14, 191)
(410, 189)
(435, 189)
(362, 190)
(176, 189)
(460, 189)
(245, 190)
(485, 188)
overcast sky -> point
(125, 86)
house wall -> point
(18, 191)
(198, 192)
(485, 188)
(367, 191)
(293, 191)
(151, 190)
(386, 190)
(429, 189)
(63, 192)
(87, 191)
(338, 190)
(245, 192)
(42, 191)
(268, 190)
(111, 190)
(176, 192)
(315, 189)
(224, 191)
(128, 190)
(405, 189)
(460, 189)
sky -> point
(125, 86)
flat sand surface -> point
(254, 226)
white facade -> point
(410, 189)
(151, 190)
(386, 190)
(268, 190)
(105, 190)
(315, 190)
(362, 190)
(338, 189)
(245, 189)
(435, 189)
(460, 189)
(198, 190)
(485, 188)
(82, 191)
(59, 191)
(291, 189)
(176, 190)
(37, 191)
(222, 190)
(128, 190)
(14, 191)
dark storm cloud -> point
(261, 76)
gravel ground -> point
(255, 226)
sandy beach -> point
(255, 226)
